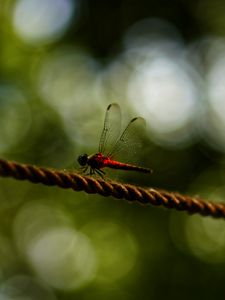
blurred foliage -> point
(62, 62)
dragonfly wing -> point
(129, 142)
(111, 128)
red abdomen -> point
(121, 166)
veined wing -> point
(129, 142)
(111, 128)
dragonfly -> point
(112, 143)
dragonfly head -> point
(82, 159)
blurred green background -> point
(61, 63)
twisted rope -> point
(108, 188)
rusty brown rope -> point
(108, 188)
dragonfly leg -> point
(100, 172)
(83, 169)
(92, 171)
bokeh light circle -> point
(63, 257)
(206, 238)
(41, 21)
(57, 253)
(21, 287)
(214, 122)
(162, 91)
(116, 249)
(15, 117)
(68, 81)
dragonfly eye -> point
(82, 159)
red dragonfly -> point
(111, 144)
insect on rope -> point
(110, 145)
(105, 158)
(129, 192)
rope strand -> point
(129, 192)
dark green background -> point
(58, 244)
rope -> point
(129, 192)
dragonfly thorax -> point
(97, 161)
(82, 159)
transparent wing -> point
(111, 128)
(129, 142)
